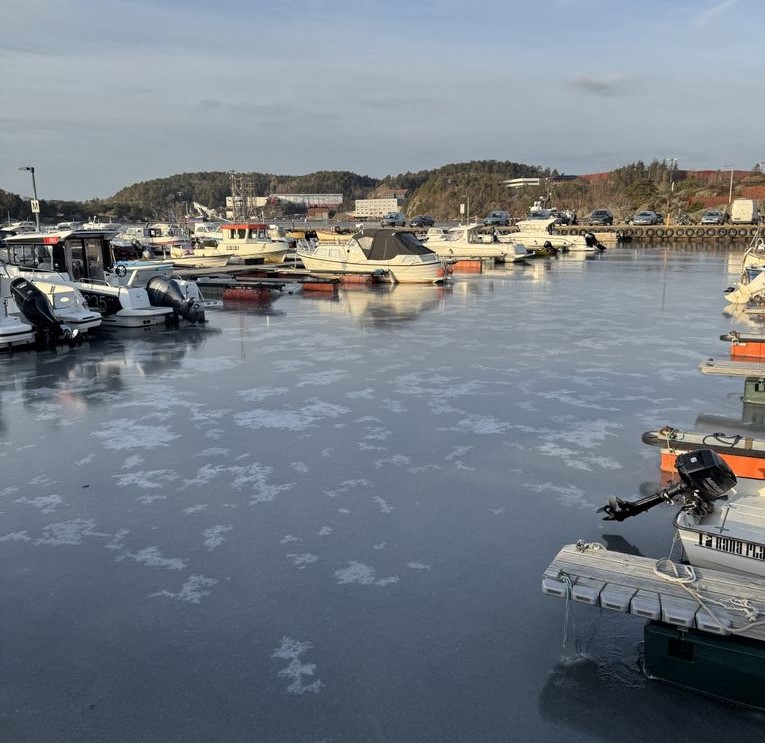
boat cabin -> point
(382, 245)
(82, 255)
(246, 231)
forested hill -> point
(478, 184)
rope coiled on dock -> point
(686, 580)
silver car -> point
(393, 219)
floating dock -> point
(667, 233)
(651, 589)
(705, 629)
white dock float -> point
(733, 368)
(593, 575)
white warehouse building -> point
(375, 208)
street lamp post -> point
(672, 162)
(35, 202)
(730, 188)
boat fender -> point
(120, 270)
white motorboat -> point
(751, 283)
(721, 521)
(247, 241)
(130, 294)
(13, 330)
(467, 241)
(66, 302)
(536, 233)
(398, 255)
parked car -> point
(600, 216)
(659, 218)
(422, 220)
(393, 219)
(714, 216)
(499, 218)
(646, 218)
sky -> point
(99, 94)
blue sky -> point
(98, 94)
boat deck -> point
(647, 588)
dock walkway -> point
(710, 601)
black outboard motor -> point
(704, 478)
(165, 292)
(593, 242)
(34, 305)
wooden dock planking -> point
(732, 368)
(628, 583)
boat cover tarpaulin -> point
(382, 245)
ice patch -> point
(384, 506)
(324, 531)
(196, 509)
(302, 559)
(570, 495)
(152, 557)
(68, 532)
(485, 425)
(395, 406)
(192, 591)
(214, 451)
(397, 460)
(256, 394)
(46, 503)
(330, 376)
(418, 565)
(365, 394)
(358, 572)
(146, 480)
(214, 536)
(17, 536)
(127, 434)
(287, 419)
(291, 650)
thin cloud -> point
(711, 15)
(604, 85)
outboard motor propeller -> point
(704, 478)
(165, 292)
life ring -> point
(700, 232)
(753, 231)
(638, 232)
(669, 233)
(710, 231)
(743, 232)
(120, 270)
(680, 232)
(650, 232)
(722, 232)
(659, 232)
(628, 232)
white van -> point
(744, 211)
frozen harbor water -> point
(326, 520)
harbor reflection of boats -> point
(103, 366)
(389, 304)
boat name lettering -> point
(732, 546)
